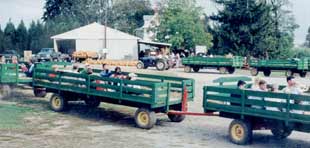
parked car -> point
(8, 54)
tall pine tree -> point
(9, 36)
(307, 43)
(1, 40)
(21, 37)
(243, 28)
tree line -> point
(257, 28)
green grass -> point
(11, 116)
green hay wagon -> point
(256, 110)
(149, 93)
(291, 66)
(223, 64)
(11, 74)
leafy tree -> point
(9, 36)
(21, 37)
(180, 25)
(307, 43)
(125, 15)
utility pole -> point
(105, 23)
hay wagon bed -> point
(223, 64)
(290, 66)
(274, 111)
(149, 93)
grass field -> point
(12, 116)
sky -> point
(29, 10)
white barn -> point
(120, 45)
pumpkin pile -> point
(112, 62)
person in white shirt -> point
(262, 86)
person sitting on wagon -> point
(241, 84)
(30, 69)
(118, 73)
(87, 70)
(292, 88)
(105, 71)
(262, 86)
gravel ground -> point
(113, 126)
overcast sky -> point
(29, 10)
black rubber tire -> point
(254, 71)
(267, 73)
(187, 69)
(140, 65)
(176, 118)
(161, 65)
(289, 73)
(238, 126)
(60, 105)
(303, 74)
(231, 70)
(222, 70)
(196, 69)
(279, 131)
(147, 115)
(39, 92)
(93, 103)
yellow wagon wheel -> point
(57, 103)
(145, 118)
(240, 132)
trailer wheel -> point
(160, 65)
(267, 73)
(254, 71)
(187, 69)
(140, 65)
(231, 70)
(145, 118)
(58, 103)
(303, 74)
(240, 132)
(5, 91)
(280, 131)
(196, 69)
(223, 70)
(93, 103)
(39, 92)
(289, 73)
(176, 118)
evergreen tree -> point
(9, 36)
(1, 40)
(307, 43)
(21, 37)
(33, 36)
(243, 28)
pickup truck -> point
(49, 54)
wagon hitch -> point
(184, 108)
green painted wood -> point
(154, 91)
(219, 98)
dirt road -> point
(112, 126)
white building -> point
(120, 45)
